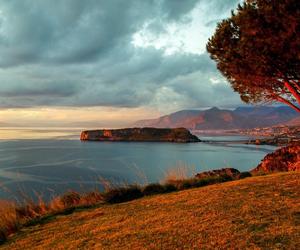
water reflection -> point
(54, 165)
(39, 133)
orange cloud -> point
(74, 117)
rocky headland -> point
(230, 173)
(140, 135)
(282, 160)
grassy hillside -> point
(258, 212)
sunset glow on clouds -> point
(89, 117)
(107, 62)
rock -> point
(140, 134)
(224, 172)
(283, 159)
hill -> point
(257, 212)
(294, 122)
(222, 119)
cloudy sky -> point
(107, 62)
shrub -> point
(187, 184)
(70, 199)
(243, 175)
(154, 188)
(203, 182)
(8, 220)
(56, 204)
(170, 188)
(180, 172)
(196, 182)
(29, 210)
(3, 235)
(224, 178)
(92, 198)
(122, 194)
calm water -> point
(52, 166)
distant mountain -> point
(294, 122)
(216, 119)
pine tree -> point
(258, 50)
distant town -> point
(277, 135)
(273, 135)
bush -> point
(170, 188)
(243, 175)
(195, 182)
(70, 199)
(3, 236)
(122, 194)
(187, 184)
(224, 178)
(154, 188)
(8, 220)
(203, 182)
(92, 198)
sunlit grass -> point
(253, 213)
(27, 210)
(180, 171)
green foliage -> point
(258, 50)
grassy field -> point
(257, 213)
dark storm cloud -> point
(80, 53)
(61, 89)
(71, 31)
(174, 9)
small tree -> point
(258, 50)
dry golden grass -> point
(14, 216)
(8, 218)
(179, 172)
(254, 213)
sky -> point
(99, 63)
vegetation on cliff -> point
(140, 134)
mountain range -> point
(224, 119)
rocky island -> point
(140, 135)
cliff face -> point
(140, 134)
(283, 159)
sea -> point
(39, 162)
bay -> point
(51, 166)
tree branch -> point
(285, 101)
(286, 80)
(293, 91)
(297, 84)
